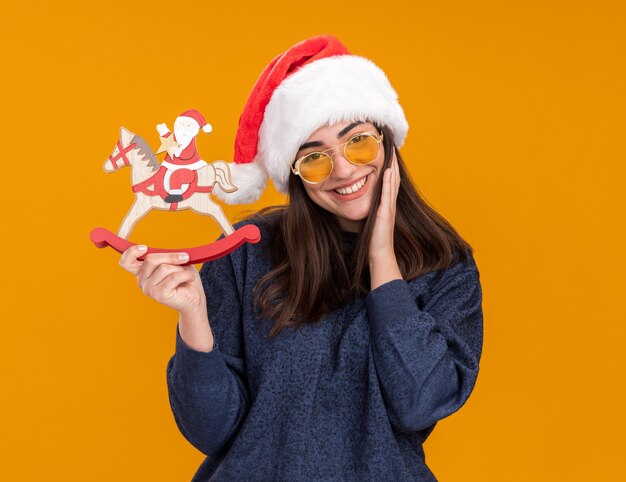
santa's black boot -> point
(173, 198)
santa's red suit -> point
(180, 169)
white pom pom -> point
(207, 128)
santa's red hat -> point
(316, 82)
(198, 118)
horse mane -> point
(146, 151)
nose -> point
(342, 168)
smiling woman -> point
(330, 349)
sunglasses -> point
(361, 149)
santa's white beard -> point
(183, 139)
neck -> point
(349, 225)
(141, 168)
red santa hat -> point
(316, 82)
(195, 116)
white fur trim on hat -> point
(327, 91)
(250, 180)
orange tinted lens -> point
(362, 149)
(316, 167)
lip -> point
(349, 183)
(354, 195)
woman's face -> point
(349, 209)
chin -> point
(352, 212)
(353, 216)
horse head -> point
(123, 150)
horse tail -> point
(223, 177)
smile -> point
(357, 186)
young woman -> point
(330, 349)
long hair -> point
(312, 271)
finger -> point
(390, 190)
(153, 260)
(129, 260)
(397, 169)
(384, 196)
(159, 274)
(168, 288)
(166, 270)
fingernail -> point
(142, 247)
(183, 256)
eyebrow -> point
(339, 136)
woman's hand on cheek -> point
(382, 258)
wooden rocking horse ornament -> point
(152, 184)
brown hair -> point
(313, 274)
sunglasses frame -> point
(295, 168)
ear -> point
(126, 136)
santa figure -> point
(182, 161)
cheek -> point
(380, 160)
(313, 193)
(318, 196)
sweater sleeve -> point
(208, 391)
(427, 359)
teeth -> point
(350, 189)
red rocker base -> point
(249, 233)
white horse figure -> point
(132, 150)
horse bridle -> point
(121, 154)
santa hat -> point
(316, 82)
(197, 117)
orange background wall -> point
(517, 117)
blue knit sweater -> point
(351, 398)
